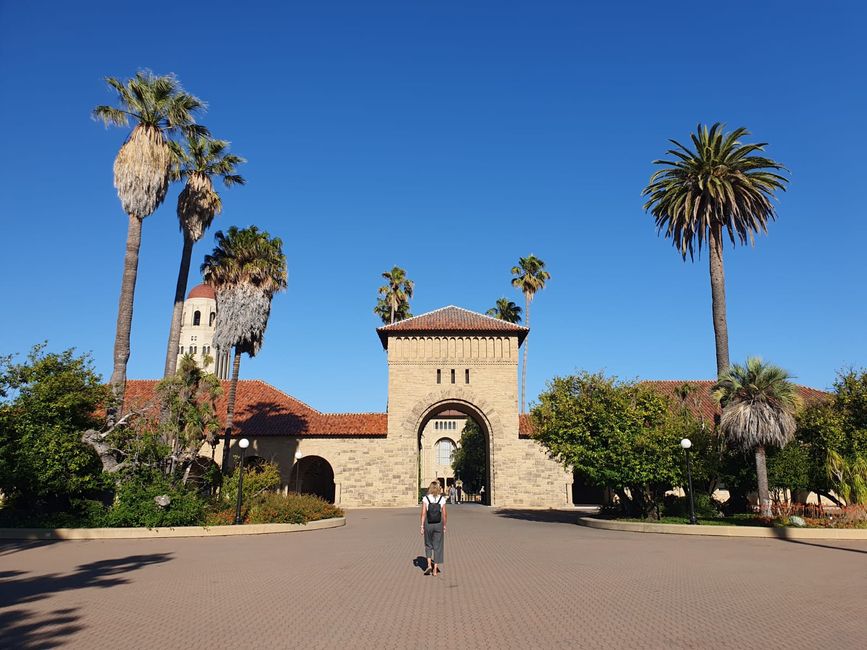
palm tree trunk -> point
(524, 365)
(230, 409)
(124, 309)
(762, 476)
(718, 300)
(178, 309)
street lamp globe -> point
(243, 443)
(298, 455)
(686, 443)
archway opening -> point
(313, 475)
(454, 450)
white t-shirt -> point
(428, 499)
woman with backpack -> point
(433, 525)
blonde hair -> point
(434, 489)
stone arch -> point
(313, 475)
(467, 401)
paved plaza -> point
(512, 579)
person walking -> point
(453, 494)
(433, 527)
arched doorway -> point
(454, 449)
(313, 475)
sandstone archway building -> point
(443, 366)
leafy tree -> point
(505, 310)
(246, 269)
(759, 404)
(620, 435)
(721, 186)
(157, 106)
(188, 399)
(530, 276)
(470, 459)
(395, 294)
(198, 162)
(48, 400)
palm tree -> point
(759, 402)
(530, 277)
(246, 269)
(396, 292)
(158, 107)
(721, 186)
(198, 204)
(505, 310)
(383, 310)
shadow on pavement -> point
(420, 562)
(782, 535)
(9, 547)
(22, 629)
(547, 516)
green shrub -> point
(135, 505)
(706, 507)
(82, 513)
(276, 508)
(258, 479)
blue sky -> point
(449, 138)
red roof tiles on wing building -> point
(262, 410)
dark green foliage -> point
(705, 506)
(788, 468)
(470, 460)
(80, 513)
(135, 505)
(262, 478)
(50, 399)
(619, 435)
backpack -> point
(434, 511)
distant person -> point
(433, 526)
(482, 494)
(453, 494)
(459, 486)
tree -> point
(396, 294)
(383, 310)
(530, 276)
(758, 401)
(157, 106)
(506, 310)
(246, 269)
(48, 400)
(620, 435)
(470, 460)
(719, 186)
(198, 162)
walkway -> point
(512, 580)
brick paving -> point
(513, 579)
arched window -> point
(213, 317)
(445, 450)
(197, 318)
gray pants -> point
(433, 542)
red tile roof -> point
(451, 319)
(202, 291)
(700, 401)
(262, 410)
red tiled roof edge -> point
(451, 319)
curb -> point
(179, 531)
(725, 531)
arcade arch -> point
(313, 475)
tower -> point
(197, 331)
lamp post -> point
(298, 457)
(243, 443)
(686, 443)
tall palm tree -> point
(246, 269)
(530, 276)
(721, 186)
(759, 402)
(158, 107)
(383, 310)
(505, 310)
(198, 162)
(396, 292)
